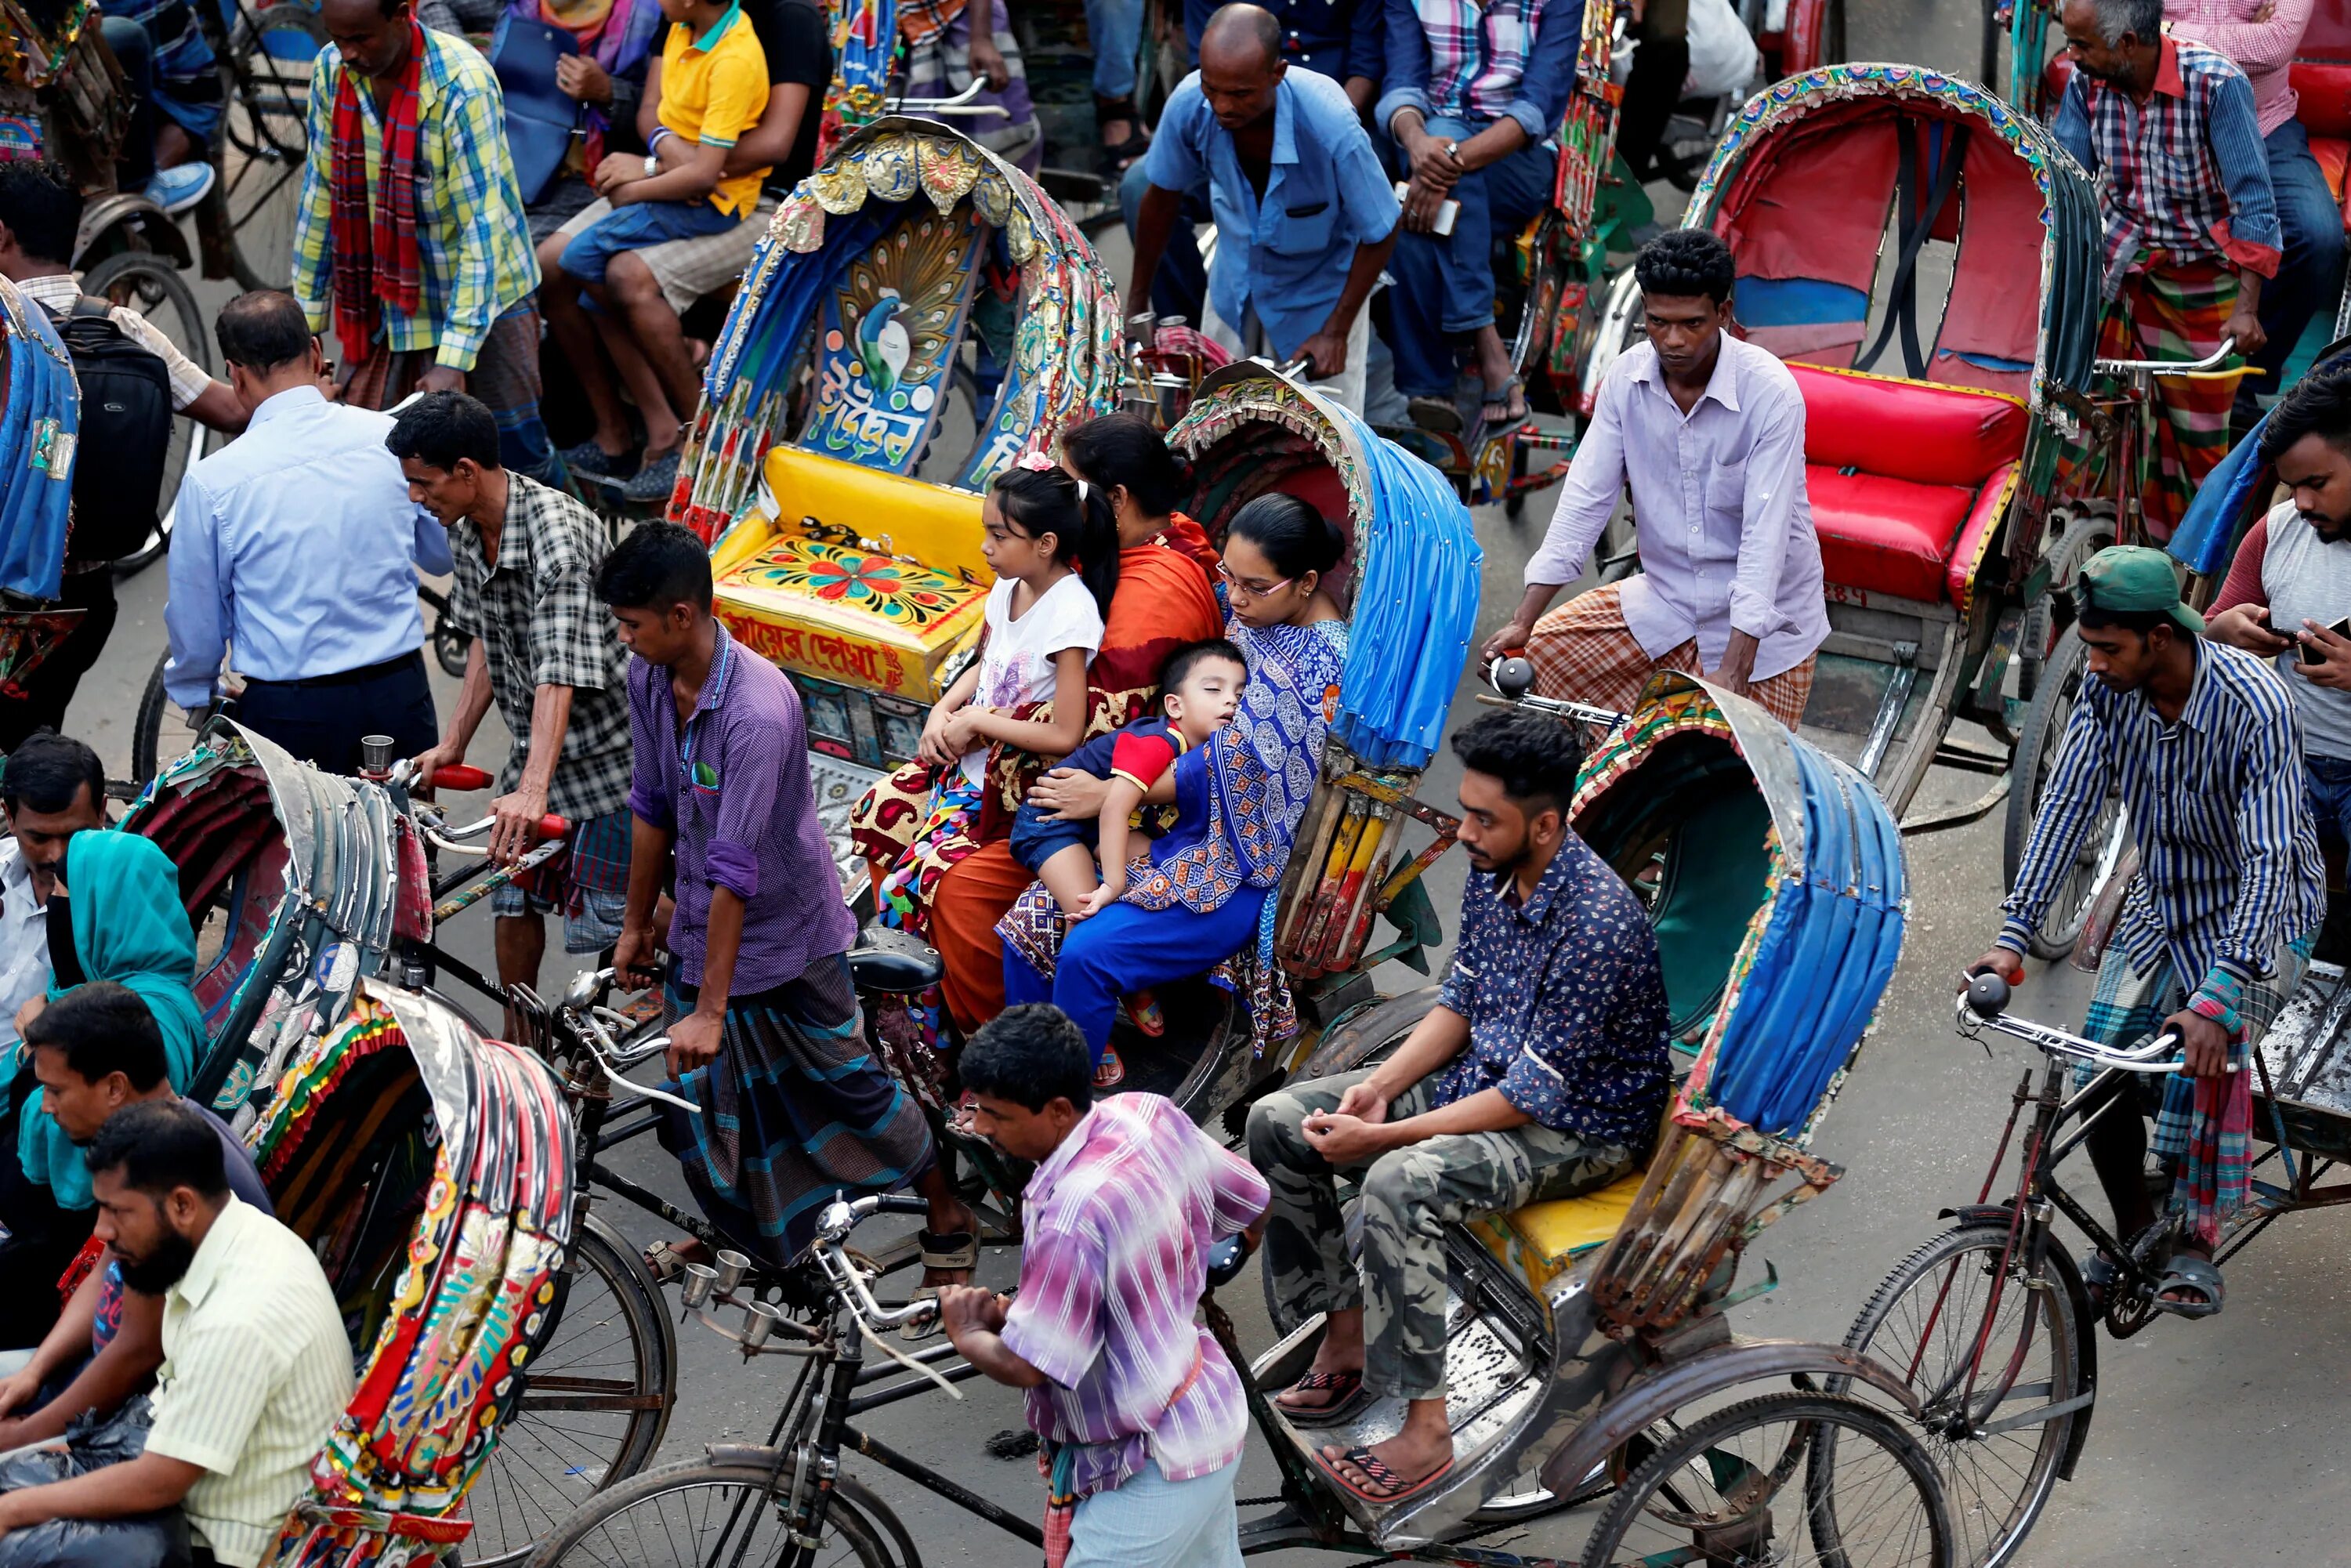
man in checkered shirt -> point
(2169, 131)
(543, 648)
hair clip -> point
(1035, 462)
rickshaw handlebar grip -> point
(2170, 367)
(460, 776)
(552, 826)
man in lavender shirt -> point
(1140, 1409)
(763, 1020)
(1709, 433)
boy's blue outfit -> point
(1140, 753)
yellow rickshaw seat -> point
(1555, 1231)
(859, 577)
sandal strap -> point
(951, 1249)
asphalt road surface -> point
(2212, 1442)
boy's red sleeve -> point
(1140, 759)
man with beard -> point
(96, 1049)
(2291, 585)
(1541, 1073)
(2169, 131)
(257, 1368)
(2202, 743)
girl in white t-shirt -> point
(1052, 541)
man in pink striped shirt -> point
(2260, 38)
(1141, 1412)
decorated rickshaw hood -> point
(2071, 226)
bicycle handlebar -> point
(1984, 1004)
(463, 777)
(2169, 367)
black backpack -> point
(126, 434)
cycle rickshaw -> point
(1590, 1360)
(1882, 216)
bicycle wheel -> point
(1924, 1322)
(593, 1412)
(2049, 617)
(2029, 766)
(1724, 1492)
(264, 141)
(160, 731)
(152, 286)
(684, 1516)
(449, 644)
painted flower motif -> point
(854, 576)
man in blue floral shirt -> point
(1541, 1073)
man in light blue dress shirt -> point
(1305, 215)
(296, 550)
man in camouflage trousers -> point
(1541, 1073)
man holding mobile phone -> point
(2288, 591)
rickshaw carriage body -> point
(1933, 438)
(1776, 885)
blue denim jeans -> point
(640, 227)
(1180, 287)
(2309, 279)
(1114, 32)
(1445, 283)
(2327, 782)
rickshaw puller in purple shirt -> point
(764, 1024)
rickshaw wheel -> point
(610, 1332)
(2050, 617)
(717, 1513)
(265, 139)
(1924, 1319)
(2029, 766)
(1702, 1491)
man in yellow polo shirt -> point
(257, 1368)
(710, 85)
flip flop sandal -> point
(2187, 1273)
(665, 1261)
(1512, 391)
(1437, 413)
(1349, 1397)
(1370, 1464)
(1142, 1010)
(935, 1250)
(1111, 1071)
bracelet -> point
(653, 143)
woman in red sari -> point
(1166, 597)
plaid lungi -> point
(2174, 310)
(1583, 652)
(504, 378)
(795, 1108)
(2203, 1126)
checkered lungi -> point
(2171, 309)
(2203, 1126)
(1583, 652)
(505, 376)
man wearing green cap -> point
(2203, 745)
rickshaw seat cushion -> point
(1889, 535)
(1547, 1237)
(1908, 430)
(2324, 89)
(801, 586)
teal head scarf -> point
(128, 927)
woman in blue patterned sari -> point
(1204, 894)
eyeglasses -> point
(1255, 590)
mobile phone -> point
(1447, 210)
(2311, 655)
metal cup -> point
(375, 755)
(732, 1267)
(699, 1278)
(760, 1321)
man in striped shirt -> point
(1140, 1410)
(257, 1368)
(2203, 745)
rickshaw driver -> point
(1541, 1073)
(1707, 431)
(2204, 745)
(2191, 225)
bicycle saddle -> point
(892, 963)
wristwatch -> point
(653, 166)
